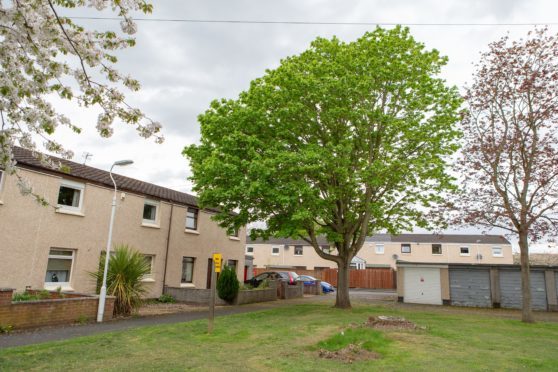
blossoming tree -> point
(43, 55)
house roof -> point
(402, 238)
(539, 259)
(26, 159)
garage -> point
(421, 285)
(510, 286)
(470, 287)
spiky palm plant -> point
(126, 269)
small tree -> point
(127, 268)
(342, 141)
(227, 284)
(509, 162)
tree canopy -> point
(342, 141)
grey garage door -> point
(510, 287)
(470, 287)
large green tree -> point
(342, 141)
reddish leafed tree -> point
(509, 162)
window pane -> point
(275, 250)
(379, 248)
(149, 212)
(149, 261)
(232, 264)
(436, 249)
(187, 269)
(464, 250)
(250, 249)
(57, 252)
(192, 219)
(298, 250)
(68, 196)
(405, 248)
(58, 270)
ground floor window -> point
(232, 264)
(59, 266)
(187, 269)
(149, 261)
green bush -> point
(127, 268)
(166, 299)
(30, 296)
(227, 284)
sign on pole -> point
(216, 262)
(217, 259)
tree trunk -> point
(527, 313)
(342, 301)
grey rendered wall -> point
(470, 287)
(510, 286)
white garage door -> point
(422, 286)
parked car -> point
(288, 276)
(310, 280)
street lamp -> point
(103, 294)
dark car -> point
(287, 276)
(310, 280)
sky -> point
(184, 66)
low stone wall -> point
(287, 291)
(313, 289)
(192, 295)
(249, 296)
(31, 314)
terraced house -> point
(384, 250)
(46, 247)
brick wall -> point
(286, 291)
(32, 314)
(313, 289)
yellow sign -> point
(217, 259)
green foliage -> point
(127, 268)
(368, 338)
(31, 296)
(82, 319)
(6, 328)
(166, 299)
(228, 284)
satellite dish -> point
(395, 257)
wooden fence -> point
(371, 278)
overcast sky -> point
(184, 66)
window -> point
(234, 233)
(187, 269)
(326, 248)
(464, 251)
(275, 251)
(70, 196)
(405, 248)
(436, 249)
(149, 260)
(150, 212)
(192, 218)
(379, 249)
(249, 250)
(497, 252)
(298, 250)
(232, 264)
(59, 266)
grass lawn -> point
(289, 338)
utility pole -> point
(215, 268)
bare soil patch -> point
(166, 308)
(390, 322)
(349, 354)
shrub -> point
(127, 267)
(227, 284)
(166, 299)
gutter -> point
(167, 250)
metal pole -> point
(212, 299)
(103, 294)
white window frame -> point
(410, 248)
(157, 206)
(63, 285)
(301, 250)
(278, 250)
(441, 249)
(149, 277)
(190, 283)
(380, 248)
(248, 252)
(501, 254)
(465, 254)
(72, 185)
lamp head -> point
(123, 162)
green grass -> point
(286, 339)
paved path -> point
(64, 332)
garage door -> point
(470, 287)
(510, 286)
(422, 286)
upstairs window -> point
(70, 196)
(298, 249)
(379, 249)
(235, 233)
(150, 212)
(192, 218)
(249, 250)
(436, 249)
(497, 252)
(275, 251)
(326, 248)
(405, 248)
(464, 251)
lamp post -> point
(103, 294)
